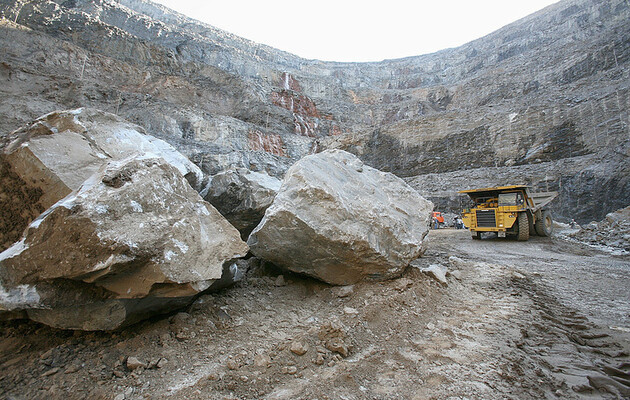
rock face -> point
(341, 221)
(542, 101)
(135, 238)
(242, 196)
(54, 155)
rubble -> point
(613, 231)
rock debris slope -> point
(542, 101)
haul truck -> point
(509, 211)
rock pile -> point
(612, 231)
(341, 221)
(115, 229)
(130, 240)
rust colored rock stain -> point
(271, 143)
(304, 111)
(296, 103)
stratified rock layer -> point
(517, 106)
(341, 221)
(135, 230)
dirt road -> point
(517, 320)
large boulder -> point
(242, 196)
(341, 221)
(133, 240)
(46, 160)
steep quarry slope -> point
(543, 101)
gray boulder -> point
(341, 221)
(242, 196)
(46, 160)
(133, 240)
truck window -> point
(510, 199)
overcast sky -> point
(338, 30)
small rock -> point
(120, 397)
(180, 319)
(72, 369)
(162, 363)
(350, 311)
(51, 372)
(184, 334)
(457, 262)
(403, 284)
(437, 272)
(518, 275)
(457, 274)
(46, 354)
(133, 363)
(319, 360)
(299, 348)
(290, 370)
(262, 360)
(232, 365)
(223, 315)
(119, 374)
(280, 281)
(164, 338)
(337, 345)
(343, 291)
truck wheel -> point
(523, 227)
(532, 226)
(544, 225)
(476, 235)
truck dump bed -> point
(542, 199)
(539, 199)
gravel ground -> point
(547, 318)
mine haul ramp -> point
(509, 211)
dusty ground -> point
(541, 319)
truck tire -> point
(544, 224)
(532, 226)
(523, 227)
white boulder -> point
(341, 221)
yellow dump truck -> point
(509, 211)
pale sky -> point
(352, 30)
